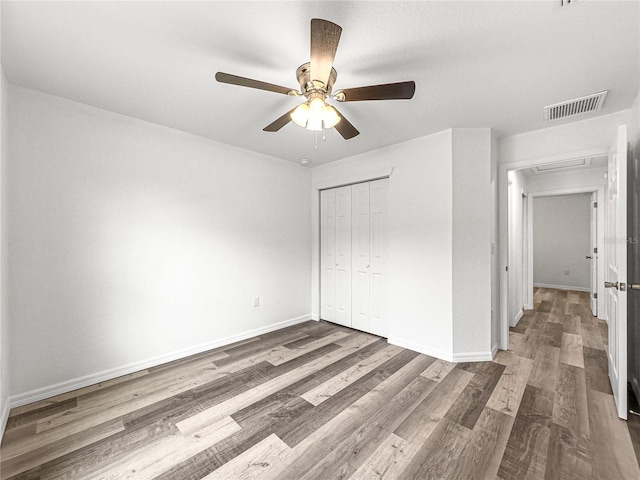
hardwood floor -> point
(318, 401)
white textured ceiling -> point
(475, 64)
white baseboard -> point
(4, 416)
(472, 357)
(562, 287)
(456, 357)
(420, 349)
(91, 379)
(517, 319)
(494, 351)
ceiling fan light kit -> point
(316, 79)
(315, 115)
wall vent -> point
(578, 106)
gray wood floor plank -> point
(597, 370)
(352, 451)
(423, 420)
(297, 430)
(320, 441)
(528, 443)
(470, 404)
(436, 457)
(481, 455)
(387, 462)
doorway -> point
(563, 257)
(525, 183)
(615, 253)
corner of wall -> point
(4, 317)
(495, 248)
(472, 238)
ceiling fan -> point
(316, 79)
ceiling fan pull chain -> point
(316, 139)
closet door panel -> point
(343, 255)
(378, 258)
(361, 244)
(328, 255)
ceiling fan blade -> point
(387, 91)
(280, 122)
(248, 82)
(324, 44)
(345, 128)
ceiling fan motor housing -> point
(308, 87)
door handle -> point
(634, 286)
(618, 286)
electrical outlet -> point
(256, 301)
(566, 271)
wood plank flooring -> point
(319, 401)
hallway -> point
(567, 424)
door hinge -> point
(595, 295)
(506, 268)
(595, 204)
(595, 250)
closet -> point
(353, 228)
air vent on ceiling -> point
(590, 103)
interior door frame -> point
(599, 190)
(527, 247)
(595, 228)
(503, 224)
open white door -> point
(616, 268)
(593, 257)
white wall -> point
(472, 258)
(132, 243)
(561, 233)
(424, 206)
(571, 140)
(4, 297)
(495, 248)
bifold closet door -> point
(353, 255)
(335, 239)
(379, 215)
(360, 249)
(369, 256)
(328, 255)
